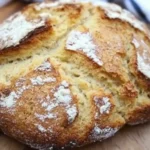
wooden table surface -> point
(129, 138)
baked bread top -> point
(72, 73)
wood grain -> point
(129, 138)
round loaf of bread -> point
(72, 73)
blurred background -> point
(141, 8)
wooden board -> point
(129, 138)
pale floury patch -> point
(41, 81)
(9, 101)
(143, 56)
(16, 28)
(45, 66)
(99, 134)
(61, 98)
(83, 42)
(103, 104)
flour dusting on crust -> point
(9, 100)
(41, 128)
(83, 42)
(40, 81)
(45, 116)
(99, 134)
(62, 95)
(61, 98)
(16, 28)
(71, 112)
(45, 66)
(103, 104)
(143, 66)
(114, 11)
(143, 56)
(20, 82)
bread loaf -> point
(72, 73)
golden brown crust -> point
(76, 79)
(129, 91)
(40, 111)
(139, 115)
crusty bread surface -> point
(72, 73)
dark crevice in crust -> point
(27, 39)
